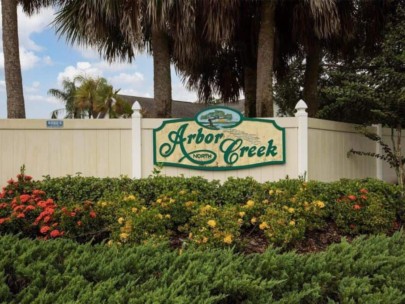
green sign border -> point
(228, 168)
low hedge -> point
(194, 211)
(62, 271)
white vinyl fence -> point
(316, 149)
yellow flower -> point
(278, 191)
(228, 239)
(121, 220)
(293, 199)
(320, 204)
(102, 204)
(182, 192)
(143, 208)
(109, 243)
(253, 220)
(189, 204)
(204, 240)
(250, 203)
(263, 226)
(212, 223)
(134, 210)
(291, 210)
(292, 223)
(167, 216)
(190, 235)
(271, 192)
(242, 214)
(172, 200)
(124, 236)
(240, 221)
(159, 216)
(159, 200)
(130, 198)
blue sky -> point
(47, 59)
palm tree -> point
(119, 27)
(67, 95)
(12, 64)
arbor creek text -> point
(232, 149)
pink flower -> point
(352, 197)
(356, 207)
(363, 191)
(20, 215)
(92, 214)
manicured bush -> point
(61, 271)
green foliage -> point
(365, 271)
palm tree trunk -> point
(265, 55)
(162, 86)
(250, 82)
(12, 66)
(311, 76)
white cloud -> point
(86, 52)
(28, 59)
(47, 60)
(114, 66)
(28, 25)
(81, 68)
(132, 92)
(42, 99)
(34, 87)
(124, 78)
(179, 92)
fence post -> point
(136, 140)
(302, 117)
(378, 150)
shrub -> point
(61, 271)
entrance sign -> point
(219, 138)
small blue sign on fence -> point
(54, 123)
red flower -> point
(29, 208)
(10, 181)
(72, 214)
(38, 192)
(44, 229)
(356, 207)
(3, 205)
(2, 220)
(79, 223)
(47, 219)
(18, 208)
(363, 197)
(28, 177)
(55, 233)
(92, 214)
(24, 198)
(21, 215)
(352, 197)
(363, 191)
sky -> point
(47, 59)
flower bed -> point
(191, 212)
